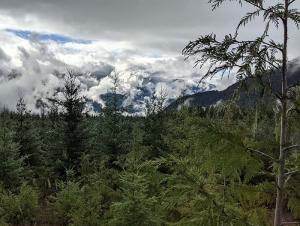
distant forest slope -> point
(246, 94)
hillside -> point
(247, 95)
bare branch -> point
(291, 2)
(292, 148)
(292, 173)
(261, 153)
(288, 175)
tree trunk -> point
(283, 126)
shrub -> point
(135, 208)
(66, 202)
(21, 208)
(76, 206)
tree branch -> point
(288, 175)
(291, 173)
(261, 153)
(263, 42)
(256, 5)
(291, 2)
(292, 148)
(268, 85)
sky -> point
(141, 39)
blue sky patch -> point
(45, 37)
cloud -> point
(4, 57)
(140, 39)
(148, 24)
(32, 66)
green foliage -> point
(72, 104)
(138, 151)
(154, 125)
(136, 208)
(67, 202)
(11, 164)
(190, 167)
(77, 205)
(294, 206)
(255, 59)
(193, 167)
(294, 193)
(29, 141)
(20, 208)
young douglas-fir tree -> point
(11, 163)
(72, 105)
(254, 58)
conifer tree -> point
(72, 104)
(113, 129)
(254, 58)
(154, 124)
(54, 142)
(136, 208)
(11, 163)
(29, 140)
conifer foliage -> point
(200, 171)
(224, 165)
(254, 58)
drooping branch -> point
(261, 153)
(255, 3)
(270, 44)
(249, 58)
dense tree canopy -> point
(196, 169)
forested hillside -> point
(247, 91)
(188, 167)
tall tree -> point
(11, 163)
(113, 130)
(72, 104)
(54, 143)
(28, 138)
(154, 124)
(253, 58)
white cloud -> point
(141, 39)
(37, 62)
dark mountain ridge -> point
(248, 90)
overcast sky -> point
(126, 34)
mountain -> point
(248, 90)
(135, 104)
(136, 86)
